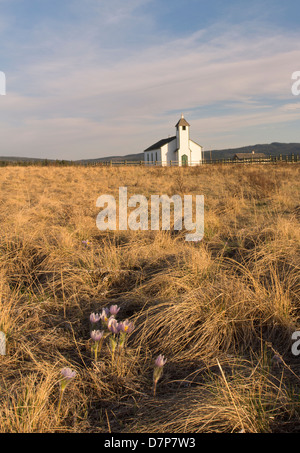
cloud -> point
(291, 107)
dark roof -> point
(161, 143)
(249, 155)
(182, 122)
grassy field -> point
(222, 311)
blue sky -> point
(91, 78)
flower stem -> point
(59, 402)
(98, 347)
(154, 388)
(96, 351)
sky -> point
(94, 78)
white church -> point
(177, 150)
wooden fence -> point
(289, 158)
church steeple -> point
(182, 122)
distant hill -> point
(273, 149)
(23, 159)
(139, 156)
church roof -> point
(161, 143)
(182, 122)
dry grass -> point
(221, 310)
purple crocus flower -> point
(97, 335)
(112, 325)
(68, 374)
(126, 326)
(94, 317)
(160, 361)
(114, 309)
(105, 315)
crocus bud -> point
(158, 370)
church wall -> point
(196, 153)
(168, 152)
(151, 156)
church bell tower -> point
(183, 138)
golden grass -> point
(220, 310)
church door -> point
(184, 159)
